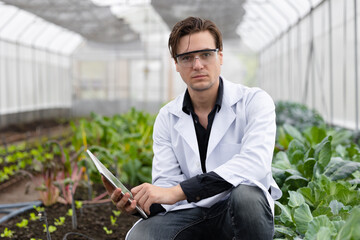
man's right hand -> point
(120, 200)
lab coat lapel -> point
(185, 128)
(225, 117)
(221, 124)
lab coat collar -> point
(222, 121)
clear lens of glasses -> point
(206, 56)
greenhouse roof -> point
(62, 25)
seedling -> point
(108, 231)
(60, 221)
(78, 204)
(113, 220)
(39, 209)
(7, 233)
(23, 224)
(116, 213)
(69, 213)
(33, 217)
(51, 228)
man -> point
(213, 148)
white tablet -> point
(114, 181)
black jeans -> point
(245, 215)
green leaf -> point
(296, 157)
(296, 181)
(307, 194)
(322, 156)
(320, 228)
(285, 215)
(338, 224)
(281, 161)
(340, 137)
(279, 175)
(287, 231)
(302, 216)
(351, 229)
(336, 206)
(295, 199)
(293, 132)
(309, 167)
(324, 233)
(340, 169)
(296, 145)
(315, 135)
(322, 210)
(283, 139)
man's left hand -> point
(146, 194)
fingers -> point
(142, 194)
(121, 201)
(108, 186)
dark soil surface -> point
(91, 220)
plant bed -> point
(91, 220)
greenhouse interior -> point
(78, 75)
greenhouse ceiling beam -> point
(94, 23)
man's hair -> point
(192, 25)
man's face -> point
(201, 75)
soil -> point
(32, 130)
(91, 218)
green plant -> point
(23, 223)
(60, 221)
(113, 220)
(107, 231)
(59, 172)
(69, 212)
(7, 233)
(70, 174)
(51, 228)
(39, 208)
(297, 114)
(318, 172)
(123, 142)
(78, 204)
(116, 213)
(33, 217)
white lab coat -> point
(240, 146)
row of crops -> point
(316, 166)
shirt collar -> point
(188, 107)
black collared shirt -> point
(207, 184)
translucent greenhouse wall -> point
(32, 81)
(315, 63)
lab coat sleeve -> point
(252, 164)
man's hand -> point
(121, 201)
(146, 194)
